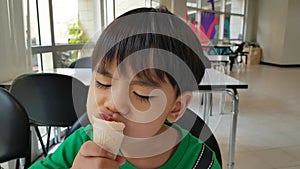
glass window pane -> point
(155, 3)
(214, 5)
(215, 26)
(207, 27)
(235, 6)
(33, 24)
(235, 25)
(34, 62)
(109, 11)
(122, 6)
(43, 130)
(44, 133)
(75, 25)
(193, 21)
(63, 59)
(206, 4)
(210, 25)
(191, 16)
(43, 7)
(47, 61)
(192, 3)
(65, 13)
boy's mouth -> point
(106, 117)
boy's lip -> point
(106, 117)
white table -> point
(218, 58)
(219, 62)
(222, 47)
(217, 81)
(82, 74)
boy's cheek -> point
(148, 112)
(139, 130)
(91, 104)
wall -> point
(251, 20)
(271, 28)
(179, 8)
(86, 16)
(14, 57)
(123, 6)
(278, 31)
(291, 46)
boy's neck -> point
(152, 162)
(157, 161)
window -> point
(218, 19)
(115, 8)
(122, 6)
(59, 30)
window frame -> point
(53, 48)
(223, 13)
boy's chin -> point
(133, 147)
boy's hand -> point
(92, 156)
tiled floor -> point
(268, 134)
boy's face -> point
(142, 106)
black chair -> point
(82, 121)
(50, 100)
(238, 52)
(14, 130)
(85, 62)
(199, 129)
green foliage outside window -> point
(77, 34)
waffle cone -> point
(108, 134)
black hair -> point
(124, 37)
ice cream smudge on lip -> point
(108, 134)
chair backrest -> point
(82, 121)
(85, 62)
(14, 128)
(198, 129)
(240, 48)
(50, 99)
(206, 62)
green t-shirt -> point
(189, 152)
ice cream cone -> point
(108, 134)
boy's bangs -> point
(153, 76)
(141, 67)
(153, 57)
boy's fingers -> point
(121, 160)
(105, 163)
(91, 149)
(94, 162)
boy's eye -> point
(142, 97)
(101, 85)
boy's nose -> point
(117, 102)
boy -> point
(145, 65)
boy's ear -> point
(180, 106)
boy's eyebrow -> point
(133, 82)
(104, 73)
(145, 83)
